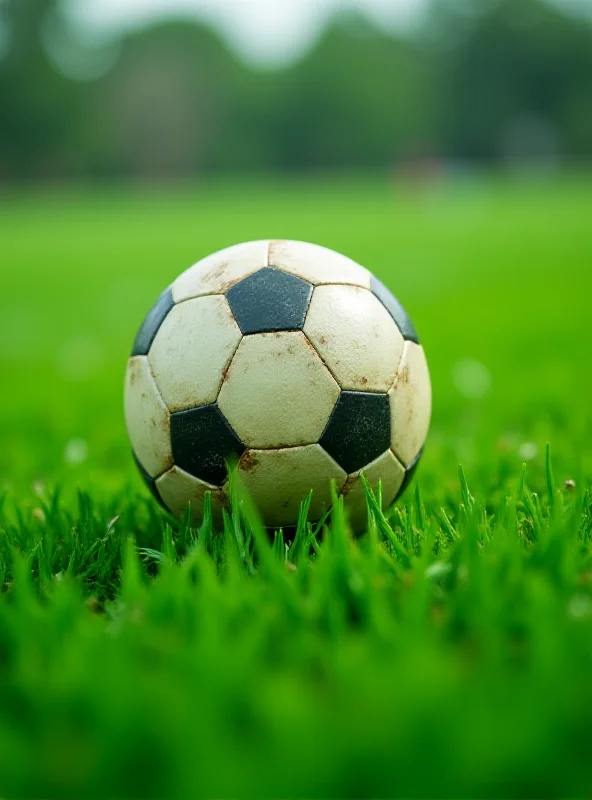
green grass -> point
(446, 653)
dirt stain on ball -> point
(402, 379)
(248, 461)
(216, 272)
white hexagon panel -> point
(355, 336)
(277, 391)
(216, 273)
(192, 351)
(317, 264)
(147, 418)
(179, 491)
(279, 480)
(286, 358)
(411, 405)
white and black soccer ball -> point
(292, 359)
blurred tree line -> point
(498, 79)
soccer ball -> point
(292, 360)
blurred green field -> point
(448, 653)
(495, 271)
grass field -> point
(446, 653)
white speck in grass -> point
(528, 451)
(439, 569)
(75, 452)
(580, 606)
(81, 358)
(471, 378)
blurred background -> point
(444, 144)
(98, 89)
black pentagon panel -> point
(202, 440)
(270, 300)
(395, 309)
(152, 323)
(359, 430)
(410, 473)
(150, 482)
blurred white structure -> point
(264, 31)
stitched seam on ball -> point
(159, 393)
(401, 363)
(339, 386)
(228, 365)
